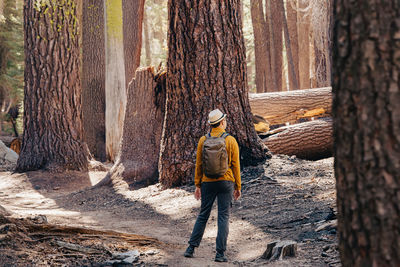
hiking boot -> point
(219, 257)
(189, 252)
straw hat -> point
(215, 116)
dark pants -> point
(222, 190)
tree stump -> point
(311, 140)
(137, 161)
(278, 250)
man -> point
(221, 187)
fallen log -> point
(311, 140)
(137, 161)
(290, 106)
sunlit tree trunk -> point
(115, 77)
(53, 132)
(206, 70)
(260, 46)
(294, 43)
(146, 39)
(366, 90)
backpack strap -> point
(224, 135)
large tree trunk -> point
(132, 28)
(93, 78)
(137, 162)
(366, 92)
(282, 107)
(260, 46)
(309, 140)
(52, 136)
(115, 77)
(293, 81)
(303, 25)
(291, 9)
(274, 18)
(206, 70)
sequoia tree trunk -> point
(366, 91)
(282, 107)
(53, 132)
(260, 46)
(115, 77)
(206, 70)
(303, 25)
(311, 140)
(132, 27)
(137, 162)
(93, 78)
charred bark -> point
(132, 27)
(52, 136)
(366, 97)
(137, 162)
(93, 78)
(206, 70)
(311, 140)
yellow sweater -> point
(233, 173)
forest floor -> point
(62, 220)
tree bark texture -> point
(309, 140)
(132, 27)
(282, 107)
(275, 26)
(260, 46)
(146, 38)
(137, 162)
(53, 132)
(293, 81)
(115, 77)
(291, 10)
(93, 78)
(206, 70)
(303, 25)
(366, 97)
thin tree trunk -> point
(115, 77)
(303, 25)
(206, 70)
(366, 92)
(53, 132)
(132, 28)
(146, 39)
(276, 25)
(260, 45)
(272, 51)
(311, 140)
(293, 84)
(93, 78)
(294, 42)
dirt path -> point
(285, 198)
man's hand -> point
(197, 193)
(237, 194)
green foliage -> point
(11, 55)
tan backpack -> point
(215, 156)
